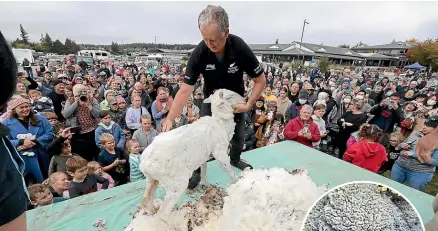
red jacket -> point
(364, 154)
(294, 126)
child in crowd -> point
(40, 195)
(108, 95)
(134, 161)
(356, 136)
(113, 160)
(52, 118)
(95, 168)
(82, 182)
(274, 131)
(179, 121)
(39, 103)
(146, 134)
(57, 163)
(367, 153)
(393, 151)
(133, 114)
(317, 119)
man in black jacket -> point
(387, 113)
(13, 195)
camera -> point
(83, 96)
(388, 102)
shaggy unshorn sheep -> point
(173, 156)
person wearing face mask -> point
(294, 109)
(366, 106)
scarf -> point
(86, 120)
(161, 100)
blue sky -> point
(331, 23)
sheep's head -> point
(222, 102)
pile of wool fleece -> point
(262, 199)
(362, 206)
(267, 200)
(187, 216)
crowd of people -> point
(76, 120)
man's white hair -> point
(307, 107)
(215, 14)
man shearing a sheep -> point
(221, 58)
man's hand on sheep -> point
(166, 125)
(241, 108)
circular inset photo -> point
(364, 206)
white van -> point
(21, 54)
(96, 54)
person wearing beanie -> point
(109, 94)
(30, 134)
(417, 162)
(293, 110)
(58, 97)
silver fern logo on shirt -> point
(233, 68)
(210, 67)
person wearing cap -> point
(58, 97)
(413, 167)
(293, 110)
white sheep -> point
(173, 156)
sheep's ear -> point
(208, 100)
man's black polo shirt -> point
(228, 73)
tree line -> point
(47, 45)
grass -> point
(431, 188)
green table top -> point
(116, 205)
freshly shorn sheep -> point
(173, 156)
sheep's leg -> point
(203, 174)
(148, 198)
(224, 160)
(173, 193)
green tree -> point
(324, 64)
(68, 46)
(425, 53)
(115, 49)
(58, 47)
(185, 58)
(24, 35)
(46, 43)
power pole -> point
(155, 44)
(302, 34)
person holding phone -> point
(302, 129)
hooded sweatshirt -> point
(364, 154)
(113, 129)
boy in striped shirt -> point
(134, 161)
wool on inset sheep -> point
(362, 206)
(173, 156)
(261, 200)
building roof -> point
(322, 49)
(392, 45)
(377, 56)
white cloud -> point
(331, 23)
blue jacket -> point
(43, 132)
(115, 130)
